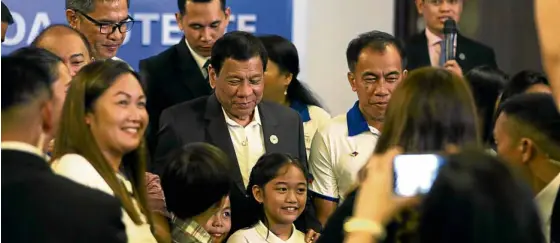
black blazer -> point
(469, 53)
(171, 77)
(202, 120)
(39, 206)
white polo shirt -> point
(338, 151)
(313, 117)
(248, 143)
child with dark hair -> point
(278, 187)
(196, 183)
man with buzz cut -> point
(341, 147)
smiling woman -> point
(100, 141)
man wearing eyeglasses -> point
(104, 23)
(424, 49)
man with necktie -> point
(425, 49)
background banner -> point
(156, 28)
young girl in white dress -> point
(279, 190)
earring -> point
(285, 92)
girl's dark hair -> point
(265, 170)
(284, 53)
(74, 135)
(522, 81)
(487, 83)
(477, 198)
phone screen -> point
(415, 173)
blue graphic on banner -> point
(156, 28)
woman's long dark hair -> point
(284, 53)
(74, 135)
(487, 84)
(429, 110)
(265, 170)
(477, 198)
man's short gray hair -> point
(86, 6)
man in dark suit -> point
(180, 73)
(236, 120)
(37, 205)
(424, 49)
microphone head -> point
(449, 27)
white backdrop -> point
(321, 31)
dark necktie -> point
(205, 69)
(555, 220)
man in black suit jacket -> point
(180, 73)
(235, 118)
(37, 205)
(424, 49)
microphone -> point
(450, 34)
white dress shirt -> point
(200, 60)
(545, 203)
(260, 234)
(78, 169)
(248, 143)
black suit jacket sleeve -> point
(167, 141)
(311, 221)
(154, 103)
(110, 225)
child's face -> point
(283, 197)
(219, 225)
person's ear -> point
(178, 18)
(527, 149)
(420, 6)
(351, 80)
(72, 18)
(212, 76)
(47, 117)
(258, 193)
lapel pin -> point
(273, 139)
(462, 56)
(354, 154)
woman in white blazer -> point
(100, 140)
(283, 87)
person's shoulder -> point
(78, 169)
(162, 56)
(317, 112)
(334, 127)
(416, 39)
(241, 236)
(279, 111)
(197, 105)
(476, 44)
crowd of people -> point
(217, 140)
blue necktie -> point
(442, 53)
